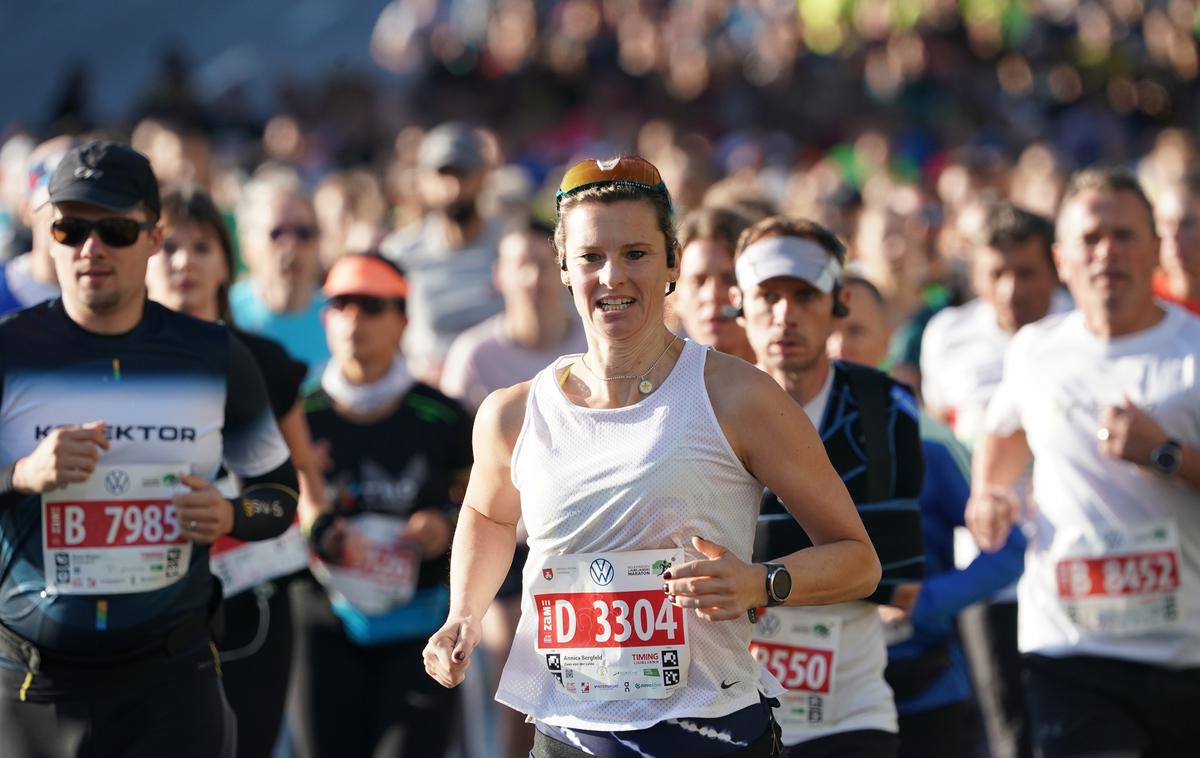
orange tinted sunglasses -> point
(629, 169)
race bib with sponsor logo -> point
(378, 567)
(606, 629)
(117, 533)
(800, 650)
(1121, 581)
(242, 565)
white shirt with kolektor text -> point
(647, 476)
(1113, 567)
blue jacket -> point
(947, 590)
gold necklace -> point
(645, 386)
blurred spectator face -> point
(450, 190)
(187, 272)
(1019, 282)
(1177, 216)
(527, 271)
(1106, 254)
(788, 322)
(706, 277)
(282, 245)
(891, 253)
(862, 335)
(362, 329)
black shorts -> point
(169, 705)
(860, 743)
(1083, 704)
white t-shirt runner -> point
(1113, 568)
(962, 362)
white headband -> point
(787, 256)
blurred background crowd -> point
(435, 132)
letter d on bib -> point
(564, 621)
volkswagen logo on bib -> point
(116, 482)
(602, 572)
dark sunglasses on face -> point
(302, 232)
(114, 232)
(368, 304)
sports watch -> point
(779, 584)
(1166, 458)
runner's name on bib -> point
(115, 534)
(242, 565)
(606, 629)
(378, 567)
(799, 648)
(1122, 581)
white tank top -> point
(647, 476)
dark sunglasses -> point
(629, 170)
(368, 304)
(114, 232)
(302, 232)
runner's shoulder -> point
(502, 414)
(735, 386)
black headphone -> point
(839, 308)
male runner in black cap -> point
(115, 414)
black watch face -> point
(781, 583)
(1166, 460)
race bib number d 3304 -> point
(606, 629)
(799, 648)
(1121, 582)
(116, 533)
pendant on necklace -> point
(645, 386)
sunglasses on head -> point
(114, 232)
(368, 304)
(302, 232)
(630, 170)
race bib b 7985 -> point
(116, 533)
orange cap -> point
(361, 274)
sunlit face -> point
(1019, 283)
(704, 295)
(616, 262)
(98, 277)
(357, 334)
(189, 270)
(527, 271)
(1177, 215)
(862, 335)
(1106, 254)
(788, 321)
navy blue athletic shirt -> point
(173, 390)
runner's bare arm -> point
(776, 442)
(485, 537)
(996, 466)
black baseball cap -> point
(106, 174)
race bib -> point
(378, 567)
(1121, 582)
(606, 629)
(242, 565)
(800, 650)
(115, 534)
